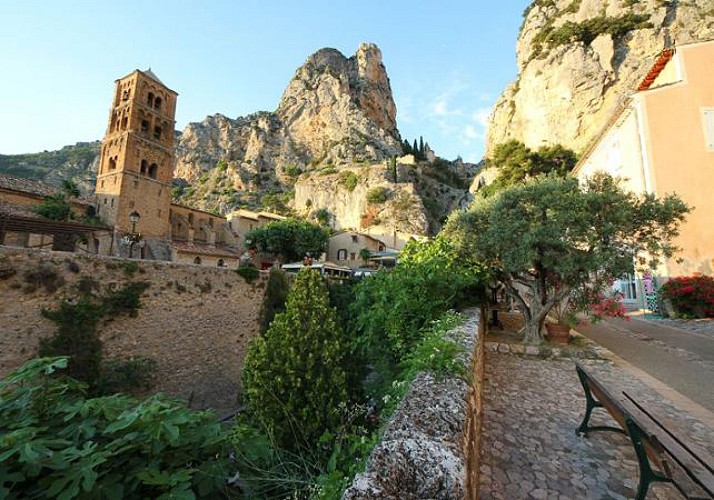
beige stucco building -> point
(344, 248)
(661, 141)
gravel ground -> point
(530, 449)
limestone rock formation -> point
(336, 116)
(334, 111)
(577, 59)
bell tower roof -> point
(151, 75)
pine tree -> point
(294, 375)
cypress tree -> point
(415, 149)
(421, 148)
(294, 375)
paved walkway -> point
(530, 450)
(678, 353)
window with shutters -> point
(708, 122)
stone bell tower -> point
(137, 157)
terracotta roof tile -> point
(661, 62)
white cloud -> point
(481, 116)
(470, 132)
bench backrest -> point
(697, 463)
(659, 442)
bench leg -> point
(591, 403)
(647, 475)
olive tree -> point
(547, 237)
(290, 239)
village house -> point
(661, 141)
(345, 248)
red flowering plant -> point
(591, 302)
(691, 296)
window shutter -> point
(708, 119)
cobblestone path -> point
(530, 450)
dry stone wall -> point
(430, 448)
(195, 321)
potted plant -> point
(588, 303)
(565, 315)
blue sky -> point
(447, 61)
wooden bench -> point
(661, 455)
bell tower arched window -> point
(197, 260)
(144, 167)
(153, 170)
(157, 103)
(150, 99)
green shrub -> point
(57, 443)
(436, 353)
(293, 171)
(42, 276)
(588, 30)
(126, 300)
(249, 273)
(691, 296)
(391, 309)
(77, 335)
(323, 216)
(377, 195)
(293, 376)
(54, 208)
(126, 375)
(348, 179)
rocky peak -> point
(578, 59)
(333, 103)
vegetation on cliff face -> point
(587, 30)
(69, 163)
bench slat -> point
(698, 470)
(659, 444)
(701, 454)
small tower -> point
(137, 157)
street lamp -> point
(134, 218)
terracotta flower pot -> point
(558, 333)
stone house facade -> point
(344, 248)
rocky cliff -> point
(336, 114)
(577, 59)
(335, 111)
(336, 118)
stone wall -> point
(430, 447)
(194, 321)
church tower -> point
(137, 157)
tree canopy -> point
(546, 237)
(516, 162)
(290, 239)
